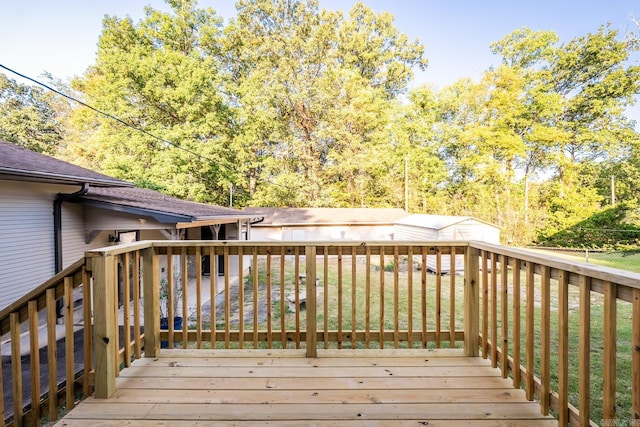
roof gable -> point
(438, 222)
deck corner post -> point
(471, 301)
(104, 288)
(312, 337)
(151, 295)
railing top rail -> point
(38, 292)
(129, 247)
(605, 274)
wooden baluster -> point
(485, 306)
(126, 309)
(185, 298)
(52, 356)
(516, 323)
(16, 369)
(563, 348)
(269, 303)
(396, 297)
(88, 330)
(256, 296)
(504, 311)
(340, 296)
(227, 299)
(423, 295)
(494, 310)
(530, 323)
(68, 342)
(635, 358)
(367, 328)
(34, 361)
(609, 366)
(198, 297)
(326, 297)
(438, 296)
(545, 363)
(296, 279)
(584, 345)
(136, 305)
(452, 297)
(381, 320)
(353, 296)
(283, 330)
(170, 297)
(240, 299)
(410, 297)
(213, 290)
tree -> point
(28, 117)
(318, 84)
(162, 75)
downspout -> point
(57, 222)
(57, 231)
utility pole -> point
(613, 190)
(406, 183)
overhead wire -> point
(123, 122)
(111, 116)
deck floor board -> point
(225, 388)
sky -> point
(60, 36)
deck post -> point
(151, 295)
(471, 301)
(104, 288)
(312, 338)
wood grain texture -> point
(231, 387)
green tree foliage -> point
(161, 75)
(550, 112)
(316, 90)
(612, 228)
(291, 105)
(28, 117)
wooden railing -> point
(42, 335)
(538, 325)
(532, 316)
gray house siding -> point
(26, 236)
(74, 234)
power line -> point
(121, 121)
(110, 116)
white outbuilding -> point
(445, 228)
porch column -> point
(151, 295)
(471, 301)
(104, 288)
(312, 336)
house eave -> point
(10, 174)
(161, 217)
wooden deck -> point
(339, 388)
